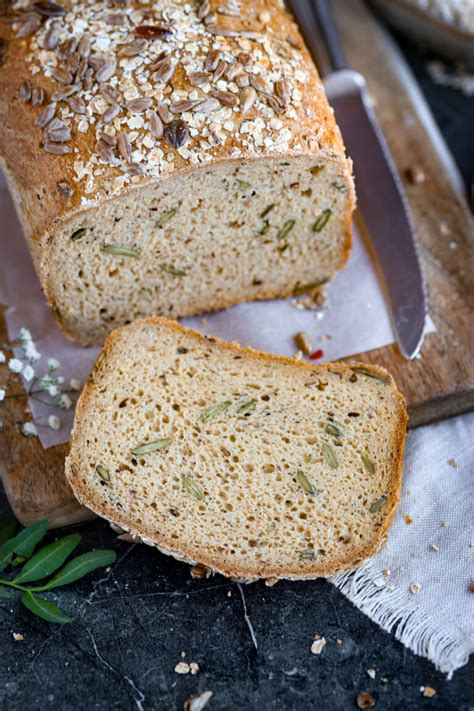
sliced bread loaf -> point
(250, 464)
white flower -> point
(2, 357)
(53, 364)
(53, 390)
(31, 352)
(15, 365)
(29, 429)
(74, 384)
(54, 422)
(60, 379)
(2, 394)
(65, 402)
(25, 335)
(28, 373)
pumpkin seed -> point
(119, 251)
(166, 217)
(149, 447)
(308, 554)
(265, 228)
(378, 504)
(243, 184)
(322, 220)
(215, 410)
(333, 430)
(267, 210)
(102, 472)
(170, 269)
(368, 464)
(77, 234)
(304, 482)
(286, 229)
(329, 456)
(192, 488)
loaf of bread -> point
(169, 157)
(253, 465)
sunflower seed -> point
(139, 105)
(156, 124)
(170, 269)
(233, 71)
(123, 145)
(219, 70)
(215, 410)
(163, 71)
(286, 229)
(304, 482)
(81, 70)
(59, 133)
(198, 78)
(192, 488)
(49, 9)
(57, 148)
(329, 456)
(368, 464)
(62, 75)
(212, 60)
(105, 153)
(37, 96)
(25, 92)
(225, 97)
(218, 31)
(110, 95)
(166, 217)
(163, 112)
(109, 140)
(46, 115)
(102, 472)
(281, 88)
(153, 446)
(378, 504)
(133, 48)
(106, 71)
(65, 93)
(114, 18)
(203, 9)
(51, 38)
(111, 113)
(181, 106)
(248, 97)
(120, 251)
(77, 234)
(77, 104)
(242, 81)
(208, 106)
(275, 103)
(29, 27)
(176, 133)
(84, 47)
(322, 220)
(229, 11)
(258, 84)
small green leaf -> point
(80, 566)
(7, 529)
(215, 410)
(48, 559)
(23, 543)
(149, 447)
(329, 456)
(43, 608)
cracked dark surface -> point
(132, 623)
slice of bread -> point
(253, 465)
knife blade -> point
(380, 195)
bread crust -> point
(175, 549)
(33, 174)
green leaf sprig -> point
(50, 560)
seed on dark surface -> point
(176, 133)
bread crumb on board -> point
(318, 645)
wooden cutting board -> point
(437, 385)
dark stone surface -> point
(132, 624)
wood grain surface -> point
(438, 384)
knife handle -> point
(323, 11)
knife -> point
(380, 195)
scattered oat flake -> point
(415, 588)
(408, 519)
(445, 524)
(18, 637)
(371, 673)
(198, 701)
(182, 668)
(318, 645)
(194, 668)
(428, 691)
(365, 700)
(453, 463)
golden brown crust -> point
(174, 548)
